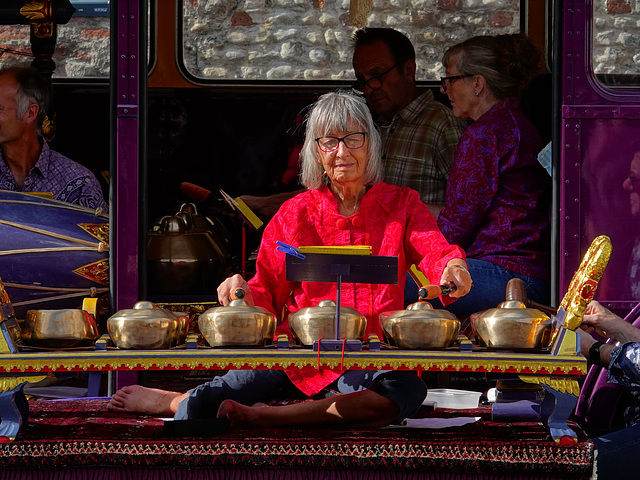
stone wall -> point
(616, 32)
(309, 40)
(82, 48)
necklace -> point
(348, 210)
(348, 205)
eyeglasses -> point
(635, 182)
(445, 81)
(352, 141)
(373, 83)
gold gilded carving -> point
(203, 359)
(585, 281)
(44, 30)
(37, 11)
(4, 296)
(98, 230)
(562, 385)
(97, 271)
(9, 383)
(49, 127)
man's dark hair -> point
(398, 44)
(32, 88)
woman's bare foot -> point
(150, 401)
(241, 415)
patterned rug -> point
(81, 437)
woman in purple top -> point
(498, 194)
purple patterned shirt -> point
(624, 369)
(498, 194)
(67, 180)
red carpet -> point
(80, 439)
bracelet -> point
(594, 353)
(462, 267)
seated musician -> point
(616, 451)
(27, 164)
(345, 204)
(497, 204)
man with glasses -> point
(419, 134)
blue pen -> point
(289, 250)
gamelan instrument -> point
(52, 253)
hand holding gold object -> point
(585, 281)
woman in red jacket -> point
(345, 204)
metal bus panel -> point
(599, 134)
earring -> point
(476, 93)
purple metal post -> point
(125, 217)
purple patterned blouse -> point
(624, 369)
(498, 194)
(53, 172)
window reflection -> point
(616, 44)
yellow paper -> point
(419, 277)
(251, 217)
(338, 250)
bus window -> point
(82, 47)
(289, 40)
(616, 43)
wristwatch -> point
(594, 353)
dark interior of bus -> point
(242, 143)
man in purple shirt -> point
(27, 164)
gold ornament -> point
(585, 281)
(37, 11)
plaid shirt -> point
(65, 179)
(418, 147)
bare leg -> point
(150, 401)
(360, 409)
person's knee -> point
(405, 389)
(243, 386)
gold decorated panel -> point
(225, 359)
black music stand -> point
(327, 267)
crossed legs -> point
(238, 396)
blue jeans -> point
(247, 387)
(489, 289)
(618, 454)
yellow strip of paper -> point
(248, 214)
(338, 250)
(419, 277)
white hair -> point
(334, 112)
